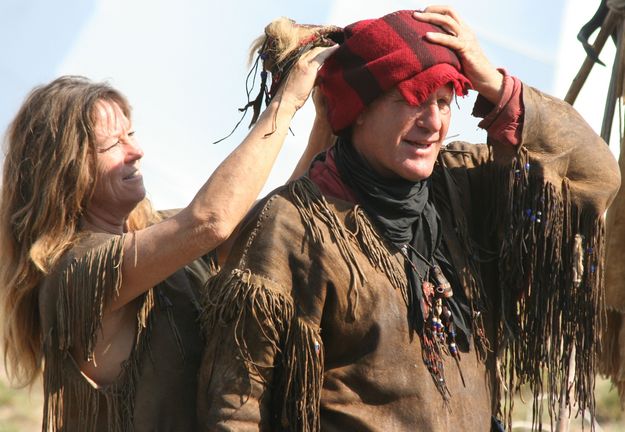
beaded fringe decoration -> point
(71, 403)
(550, 282)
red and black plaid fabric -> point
(380, 54)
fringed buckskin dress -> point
(156, 390)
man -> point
(379, 292)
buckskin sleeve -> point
(262, 368)
(543, 201)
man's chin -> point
(419, 174)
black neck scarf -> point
(403, 212)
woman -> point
(98, 291)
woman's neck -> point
(93, 221)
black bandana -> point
(398, 207)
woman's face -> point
(400, 140)
(119, 183)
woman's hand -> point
(301, 80)
(459, 37)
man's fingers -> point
(448, 40)
(448, 24)
(444, 10)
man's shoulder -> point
(289, 205)
(275, 209)
(287, 217)
(463, 154)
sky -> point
(183, 65)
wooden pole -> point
(578, 82)
(614, 89)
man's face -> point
(400, 140)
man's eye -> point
(444, 104)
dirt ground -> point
(20, 410)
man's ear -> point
(361, 117)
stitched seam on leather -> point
(250, 240)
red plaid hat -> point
(380, 54)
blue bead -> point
(528, 212)
(527, 166)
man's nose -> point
(430, 117)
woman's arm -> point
(320, 139)
(152, 254)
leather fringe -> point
(469, 273)
(235, 299)
(550, 282)
(313, 207)
(378, 253)
(71, 402)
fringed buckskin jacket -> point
(307, 324)
(156, 390)
(613, 348)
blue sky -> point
(183, 65)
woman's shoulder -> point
(92, 262)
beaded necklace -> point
(439, 332)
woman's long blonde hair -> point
(48, 178)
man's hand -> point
(459, 37)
